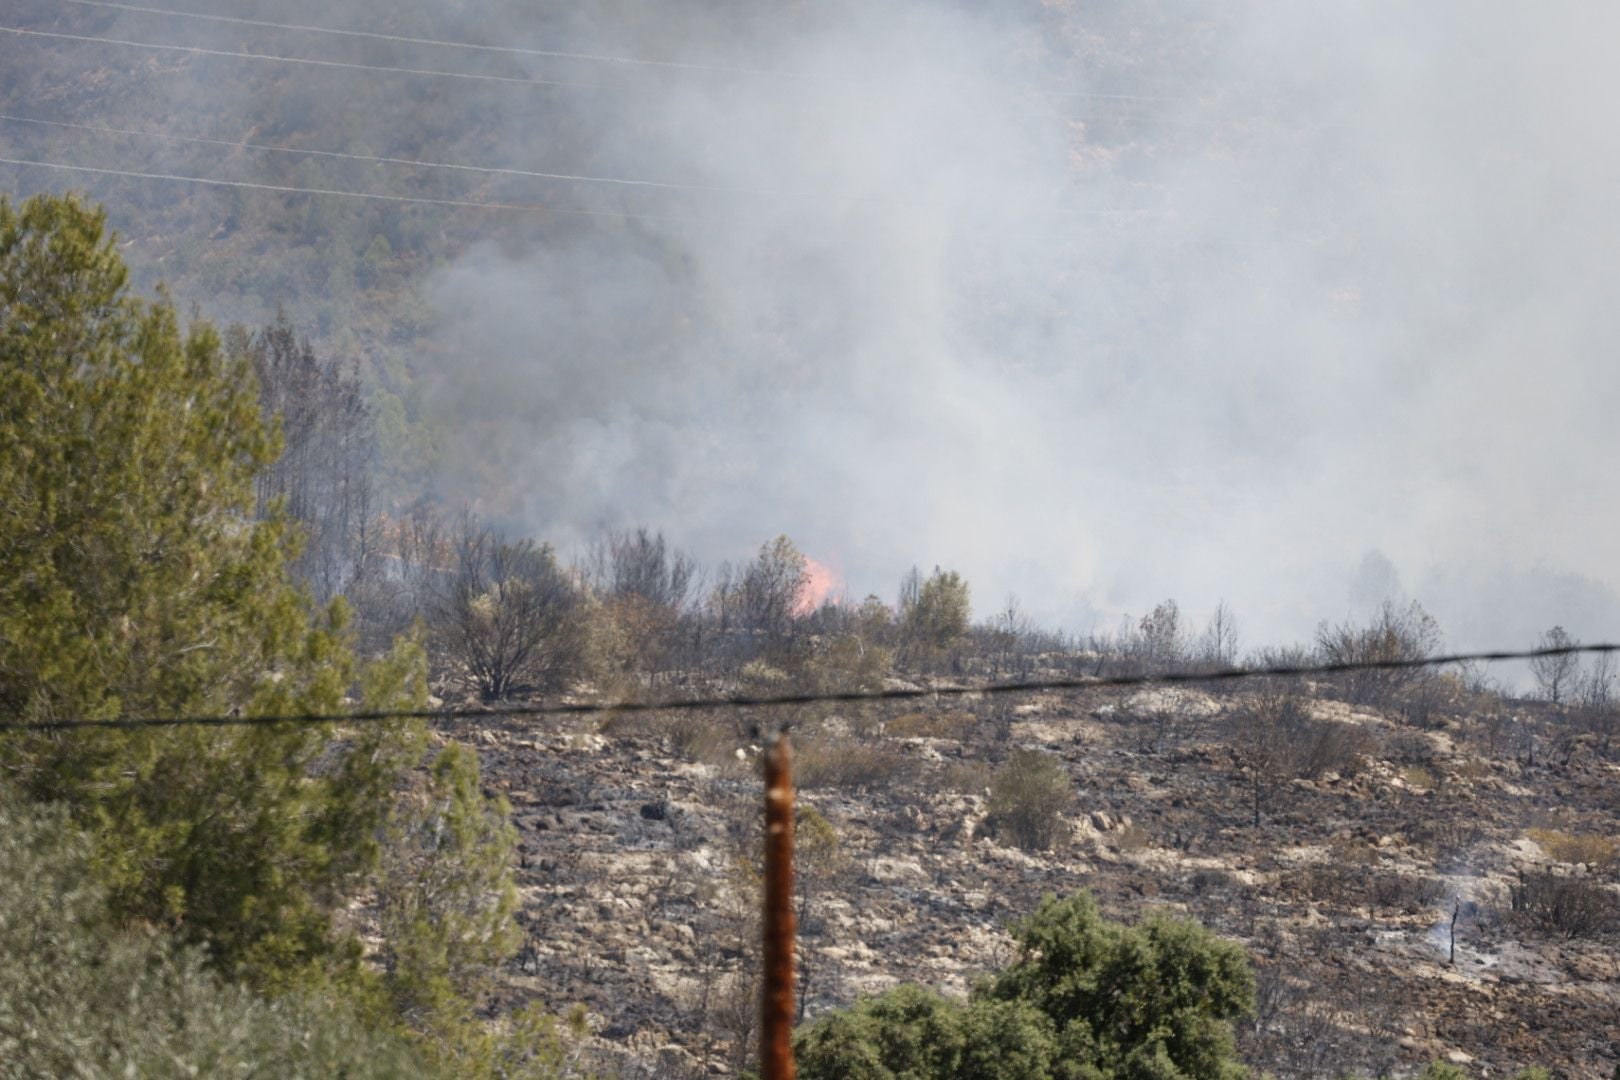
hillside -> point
(635, 893)
(374, 283)
(1300, 315)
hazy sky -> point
(1347, 284)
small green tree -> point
(447, 903)
(1088, 999)
(1028, 796)
(911, 1033)
(1152, 1000)
(1443, 1070)
(934, 612)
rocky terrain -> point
(1423, 883)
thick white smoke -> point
(1342, 282)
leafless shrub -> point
(1590, 849)
(965, 777)
(1334, 746)
(848, 764)
(1558, 904)
(648, 592)
(1323, 882)
(1394, 635)
(1449, 828)
(1275, 740)
(1410, 748)
(1406, 893)
(956, 726)
(508, 617)
(1205, 880)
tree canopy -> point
(138, 578)
(1087, 999)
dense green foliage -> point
(80, 997)
(1088, 999)
(447, 898)
(136, 579)
(915, 1033)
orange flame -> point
(821, 584)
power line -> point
(510, 50)
(469, 204)
(423, 200)
(451, 715)
(513, 50)
(386, 69)
(481, 169)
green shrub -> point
(1444, 1070)
(1088, 998)
(1028, 797)
(79, 997)
(915, 1033)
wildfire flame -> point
(821, 584)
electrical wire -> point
(509, 50)
(387, 69)
(452, 715)
(469, 204)
(487, 170)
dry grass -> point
(840, 764)
(1602, 852)
(956, 726)
(1417, 778)
(965, 777)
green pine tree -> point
(136, 581)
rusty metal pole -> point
(776, 999)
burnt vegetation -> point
(1399, 852)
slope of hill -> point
(637, 894)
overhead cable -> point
(748, 701)
(468, 204)
(403, 39)
(387, 69)
(487, 170)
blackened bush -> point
(509, 617)
(1571, 906)
(1395, 634)
(1404, 892)
(849, 764)
(1333, 746)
